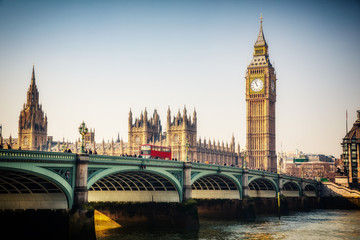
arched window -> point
(25, 141)
(137, 140)
(176, 138)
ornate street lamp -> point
(187, 145)
(244, 161)
(83, 131)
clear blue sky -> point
(94, 60)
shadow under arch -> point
(216, 186)
(26, 189)
(291, 189)
(262, 187)
(310, 190)
(134, 185)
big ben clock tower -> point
(260, 108)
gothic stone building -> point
(180, 130)
(260, 108)
(32, 134)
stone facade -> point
(351, 152)
(260, 108)
(180, 130)
(32, 134)
(90, 136)
(143, 131)
(207, 152)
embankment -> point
(183, 216)
(249, 208)
(47, 224)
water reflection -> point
(320, 224)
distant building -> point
(90, 136)
(351, 152)
(310, 166)
(319, 158)
(311, 170)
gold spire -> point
(260, 41)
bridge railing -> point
(133, 160)
(6, 154)
(215, 167)
(264, 173)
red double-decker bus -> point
(156, 152)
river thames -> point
(317, 224)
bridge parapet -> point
(35, 155)
(263, 173)
(103, 159)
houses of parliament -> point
(181, 129)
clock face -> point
(257, 85)
(273, 85)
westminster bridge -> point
(52, 180)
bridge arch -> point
(291, 189)
(310, 190)
(262, 187)
(215, 186)
(34, 188)
(134, 185)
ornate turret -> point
(130, 119)
(194, 117)
(168, 118)
(232, 144)
(32, 120)
(143, 131)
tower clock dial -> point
(257, 85)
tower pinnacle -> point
(33, 76)
(260, 41)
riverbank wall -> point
(249, 208)
(345, 203)
(48, 224)
(182, 216)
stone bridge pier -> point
(81, 177)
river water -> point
(317, 224)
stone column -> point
(187, 191)
(245, 183)
(81, 191)
(303, 184)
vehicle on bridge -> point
(155, 152)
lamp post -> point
(83, 131)
(187, 145)
(244, 161)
